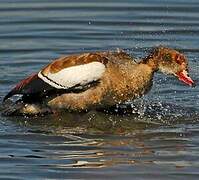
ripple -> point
(156, 136)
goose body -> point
(94, 80)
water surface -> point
(158, 140)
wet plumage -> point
(96, 80)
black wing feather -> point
(30, 86)
(35, 89)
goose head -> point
(172, 62)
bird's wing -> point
(66, 73)
(74, 70)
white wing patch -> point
(71, 76)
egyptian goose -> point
(94, 80)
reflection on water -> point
(125, 119)
(153, 138)
(60, 147)
(104, 143)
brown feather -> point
(74, 60)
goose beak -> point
(184, 77)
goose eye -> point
(167, 57)
(178, 59)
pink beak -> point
(184, 77)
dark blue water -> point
(160, 140)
